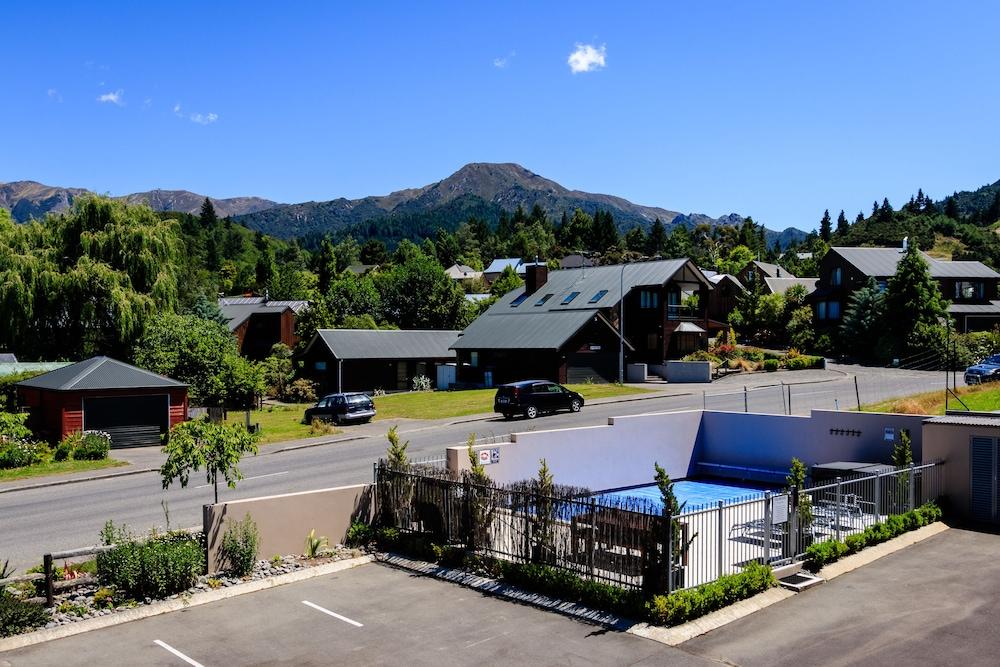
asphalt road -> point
(36, 521)
(370, 615)
(934, 603)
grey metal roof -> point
(781, 285)
(501, 263)
(238, 309)
(99, 373)
(7, 358)
(881, 263)
(966, 420)
(772, 270)
(991, 308)
(548, 325)
(387, 343)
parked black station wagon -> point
(533, 397)
(341, 408)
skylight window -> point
(541, 302)
(597, 297)
(519, 300)
(570, 297)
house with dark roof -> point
(970, 287)
(134, 406)
(757, 270)
(723, 299)
(564, 325)
(368, 359)
(259, 322)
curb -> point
(167, 606)
(316, 444)
(872, 554)
(92, 478)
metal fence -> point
(778, 527)
(630, 541)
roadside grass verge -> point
(979, 398)
(57, 468)
(279, 423)
(441, 404)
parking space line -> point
(247, 479)
(332, 613)
(180, 655)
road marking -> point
(332, 613)
(246, 479)
(180, 655)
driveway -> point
(365, 616)
(935, 603)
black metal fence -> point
(625, 542)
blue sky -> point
(777, 109)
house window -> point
(321, 365)
(597, 297)
(836, 277)
(541, 302)
(966, 290)
(570, 297)
(474, 359)
(821, 310)
(519, 300)
(649, 299)
(833, 310)
(883, 285)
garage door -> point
(596, 366)
(131, 421)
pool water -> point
(691, 494)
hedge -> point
(690, 603)
(823, 553)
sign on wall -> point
(890, 434)
(489, 456)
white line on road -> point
(245, 479)
(332, 613)
(180, 655)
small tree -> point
(796, 482)
(545, 514)
(902, 457)
(658, 565)
(396, 455)
(479, 490)
(395, 487)
(279, 370)
(197, 444)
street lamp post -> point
(621, 328)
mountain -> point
(28, 199)
(480, 189)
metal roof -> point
(966, 420)
(991, 308)
(99, 373)
(772, 270)
(387, 343)
(541, 323)
(499, 264)
(688, 327)
(881, 263)
(781, 285)
(238, 309)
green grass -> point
(279, 423)
(57, 468)
(979, 398)
(441, 404)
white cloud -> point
(502, 62)
(54, 95)
(148, 102)
(587, 58)
(200, 118)
(117, 97)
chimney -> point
(535, 276)
(906, 244)
(777, 271)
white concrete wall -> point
(689, 371)
(601, 457)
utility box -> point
(635, 373)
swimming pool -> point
(692, 494)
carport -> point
(134, 406)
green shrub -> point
(17, 615)
(691, 603)
(104, 597)
(568, 586)
(238, 554)
(702, 355)
(66, 446)
(753, 354)
(93, 446)
(819, 554)
(855, 543)
(771, 365)
(19, 453)
(156, 567)
(359, 534)
(315, 545)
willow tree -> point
(86, 281)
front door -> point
(984, 464)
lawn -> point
(979, 398)
(441, 404)
(279, 423)
(56, 468)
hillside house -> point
(462, 272)
(970, 287)
(258, 322)
(757, 270)
(497, 266)
(563, 325)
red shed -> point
(133, 405)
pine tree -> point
(951, 208)
(992, 214)
(912, 299)
(863, 320)
(657, 241)
(842, 225)
(824, 226)
(860, 218)
(208, 217)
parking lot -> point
(369, 615)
